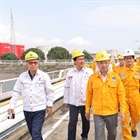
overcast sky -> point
(74, 24)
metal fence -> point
(42, 62)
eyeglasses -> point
(31, 63)
(129, 58)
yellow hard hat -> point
(120, 56)
(31, 56)
(136, 57)
(116, 58)
(77, 53)
(102, 55)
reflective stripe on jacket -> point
(131, 80)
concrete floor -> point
(60, 133)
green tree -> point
(87, 55)
(36, 50)
(9, 56)
(58, 53)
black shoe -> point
(134, 133)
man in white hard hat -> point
(130, 76)
(37, 94)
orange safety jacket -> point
(105, 97)
(131, 80)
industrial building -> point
(45, 49)
(8, 48)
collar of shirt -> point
(103, 77)
(38, 72)
(133, 68)
(31, 76)
(81, 69)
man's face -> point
(129, 60)
(32, 65)
(80, 61)
(121, 62)
(103, 65)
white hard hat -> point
(129, 52)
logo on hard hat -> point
(102, 55)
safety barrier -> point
(8, 123)
(57, 77)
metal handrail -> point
(55, 76)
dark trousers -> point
(73, 114)
(35, 122)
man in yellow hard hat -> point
(37, 94)
(105, 92)
(75, 95)
(121, 62)
(96, 69)
(130, 76)
(116, 60)
(137, 60)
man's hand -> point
(11, 114)
(49, 110)
(122, 117)
(67, 106)
(87, 116)
(11, 111)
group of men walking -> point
(104, 90)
